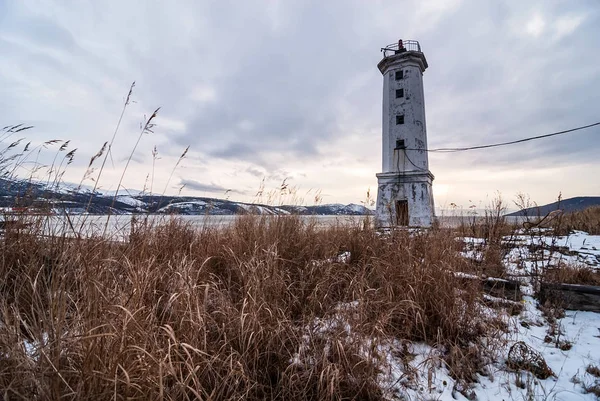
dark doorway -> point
(402, 213)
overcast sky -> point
(269, 90)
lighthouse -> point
(404, 193)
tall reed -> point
(263, 309)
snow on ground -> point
(568, 344)
(426, 377)
(343, 257)
(585, 246)
(530, 252)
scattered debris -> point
(523, 357)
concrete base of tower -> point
(404, 199)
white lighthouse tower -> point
(404, 195)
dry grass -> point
(496, 232)
(178, 313)
(593, 370)
(593, 388)
(568, 274)
(264, 309)
(587, 220)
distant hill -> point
(38, 196)
(566, 205)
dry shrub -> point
(593, 388)
(490, 227)
(464, 363)
(569, 274)
(184, 313)
(587, 220)
(496, 232)
(593, 370)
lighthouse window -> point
(400, 144)
(399, 75)
(400, 119)
(399, 93)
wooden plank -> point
(571, 296)
(498, 287)
(579, 288)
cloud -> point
(203, 94)
(568, 24)
(212, 187)
(255, 172)
(292, 89)
(535, 26)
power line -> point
(449, 150)
(411, 162)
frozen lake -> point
(118, 227)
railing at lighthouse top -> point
(400, 47)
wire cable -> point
(450, 150)
(411, 162)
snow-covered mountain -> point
(38, 196)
